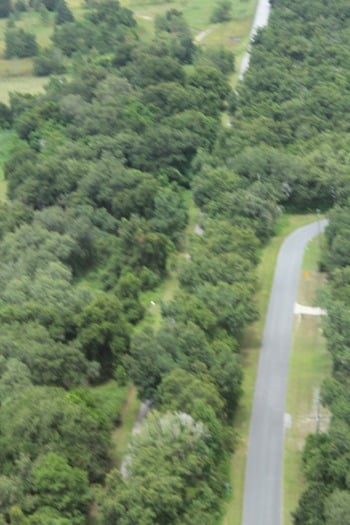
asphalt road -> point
(263, 480)
(260, 20)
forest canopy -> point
(98, 191)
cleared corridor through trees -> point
(263, 479)
(260, 20)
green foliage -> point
(104, 333)
(170, 215)
(180, 42)
(181, 391)
(5, 8)
(127, 290)
(337, 236)
(337, 508)
(49, 362)
(49, 61)
(213, 88)
(219, 57)
(143, 247)
(49, 420)
(50, 5)
(70, 38)
(5, 116)
(327, 456)
(63, 14)
(222, 12)
(170, 459)
(19, 43)
(59, 486)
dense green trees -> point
(327, 455)
(205, 321)
(222, 12)
(63, 13)
(47, 466)
(103, 332)
(49, 61)
(57, 485)
(98, 189)
(170, 459)
(5, 8)
(19, 43)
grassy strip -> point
(109, 397)
(168, 288)
(23, 83)
(16, 75)
(121, 435)
(164, 293)
(250, 354)
(309, 364)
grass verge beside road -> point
(309, 364)
(250, 354)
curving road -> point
(263, 480)
(260, 20)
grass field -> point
(310, 363)
(233, 35)
(250, 354)
(17, 74)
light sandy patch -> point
(145, 17)
(144, 409)
(300, 309)
(203, 34)
(198, 229)
(287, 420)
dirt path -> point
(201, 36)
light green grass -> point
(34, 23)
(120, 406)
(309, 364)
(250, 354)
(110, 398)
(21, 84)
(196, 12)
(16, 75)
(16, 67)
(121, 435)
(233, 35)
